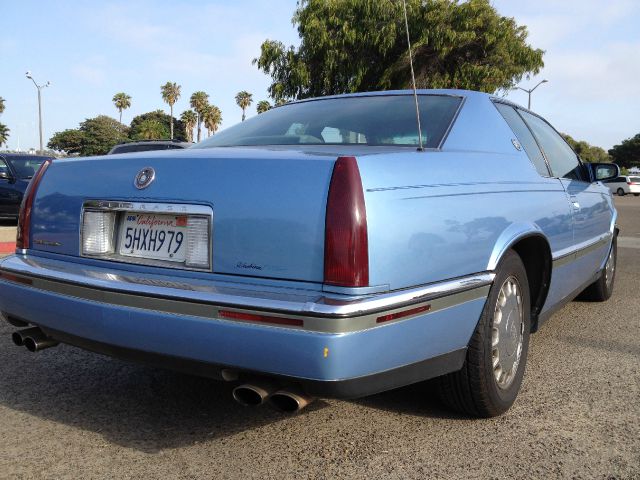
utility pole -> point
(39, 88)
(530, 91)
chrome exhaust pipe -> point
(253, 394)
(290, 400)
(39, 341)
(21, 335)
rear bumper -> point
(338, 348)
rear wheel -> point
(621, 192)
(602, 289)
(490, 379)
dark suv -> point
(16, 169)
(147, 145)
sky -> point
(91, 50)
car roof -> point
(420, 91)
(16, 156)
(158, 142)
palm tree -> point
(1, 104)
(212, 118)
(199, 101)
(189, 118)
(122, 101)
(170, 94)
(244, 99)
(263, 106)
(4, 134)
(151, 130)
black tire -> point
(620, 192)
(602, 289)
(474, 390)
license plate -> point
(156, 237)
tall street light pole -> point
(530, 91)
(39, 88)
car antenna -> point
(413, 78)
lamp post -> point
(39, 88)
(530, 91)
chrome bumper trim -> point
(319, 311)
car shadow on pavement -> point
(132, 406)
(420, 399)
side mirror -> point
(603, 171)
(6, 176)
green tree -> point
(627, 153)
(151, 130)
(4, 130)
(212, 118)
(4, 134)
(69, 141)
(100, 134)
(361, 45)
(263, 106)
(179, 131)
(122, 101)
(588, 153)
(244, 99)
(170, 94)
(199, 101)
(189, 118)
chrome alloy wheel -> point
(610, 268)
(507, 333)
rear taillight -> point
(346, 246)
(24, 218)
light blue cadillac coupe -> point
(315, 250)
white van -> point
(624, 185)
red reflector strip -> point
(15, 278)
(404, 313)
(295, 322)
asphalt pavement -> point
(67, 413)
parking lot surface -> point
(67, 413)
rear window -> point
(634, 179)
(381, 120)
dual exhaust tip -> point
(285, 399)
(249, 394)
(33, 339)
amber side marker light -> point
(251, 317)
(403, 313)
(24, 217)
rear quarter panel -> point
(443, 214)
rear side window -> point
(525, 137)
(563, 161)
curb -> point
(7, 247)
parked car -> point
(16, 170)
(148, 145)
(624, 185)
(317, 250)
